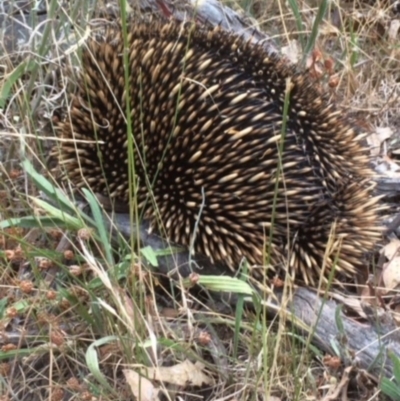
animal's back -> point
(206, 112)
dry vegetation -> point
(80, 317)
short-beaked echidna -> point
(211, 157)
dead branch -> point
(362, 344)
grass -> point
(81, 313)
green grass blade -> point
(70, 221)
(33, 222)
(92, 361)
(314, 32)
(99, 224)
(11, 80)
(54, 194)
(299, 22)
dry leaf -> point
(391, 248)
(383, 133)
(375, 140)
(391, 273)
(141, 387)
(182, 374)
(374, 143)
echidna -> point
(213, 156)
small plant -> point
(392, 388)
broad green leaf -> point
(150, 255)
(390, 389)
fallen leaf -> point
(142, 388)
(391, 273)
(375, 139)
(182, 374)
(391, 248)
(384, 133)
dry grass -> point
(76, 312)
